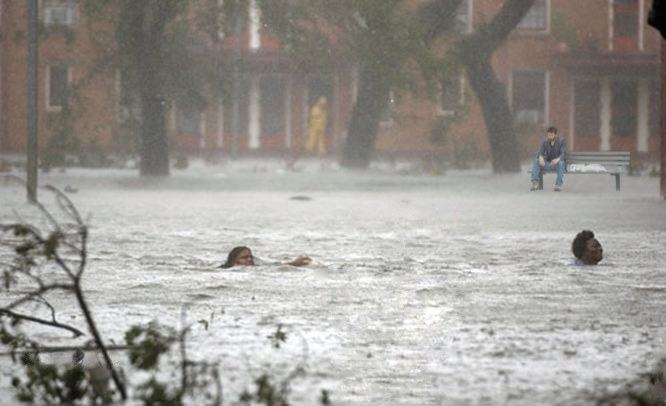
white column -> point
(605, 115)
(255, 25)
(202, 131)
(220, 124)
(643, 114)
(287, 112)
(254, 113)
(572, 114)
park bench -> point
(586, 163)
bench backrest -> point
(613, 161)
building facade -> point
(590, 68)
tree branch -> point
(489, 37)
(37, 293)
(438, 16)
(75, 331)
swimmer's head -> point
(239, 256)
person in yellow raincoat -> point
(317, 127)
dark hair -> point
(578, 245)
(233, 254)
(551, 129)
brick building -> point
(590, 68)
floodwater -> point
(454, 289)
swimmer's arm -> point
(301, 260)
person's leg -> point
(322, 144)
(561, 166)
(536, 170)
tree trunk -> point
(373, 94)
(374, 89)
(496, 114)
(475, 51)
(140, 34)
(154, 149)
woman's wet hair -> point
(580, 243)
(233, 255)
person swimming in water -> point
(242, 256)
(586, 248)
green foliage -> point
(46, 383)
(51, 244)
(147, 344)
(155, 393)
(383, 35)
(325, 398)
(278, 337)
(266, 393)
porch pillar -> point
(643, 114)
(255, 26)
(254, 113)
(287, 112)
(605, 116)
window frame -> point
(180, 112)
(536, 31)
(575, 94)
(390, 109)
(281, 80)
(47, 7)
(467, 4)
(49, 107)
(546, 94)
(461, 82)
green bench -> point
(591, 163)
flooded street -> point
(457, 289)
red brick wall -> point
(96, 101)
(663, 119)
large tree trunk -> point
(154, 149)
(374, 89)
(496, 114)
(141, 41)
(475, 51)
(373, 94)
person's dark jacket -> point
(550, 152)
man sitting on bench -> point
(550, 157)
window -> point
(624, 108)
(463, 22)
(536, 18)
(452, 95)
(386, 118)
(625, 25)
(243, 101)
(188, 120)
(57, 86)
(273, 92)
(587, 107)
(529, 96)
(59, 12)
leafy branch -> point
(41, 257)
